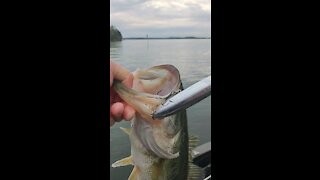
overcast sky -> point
(161, 18)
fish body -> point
(159, 147)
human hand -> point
(118, 109)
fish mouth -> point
(151, 87)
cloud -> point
(161, 17)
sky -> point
(161, 18)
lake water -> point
(192, 57)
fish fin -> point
(175, 138)
(193, 142)
(123, 162)
(134, 174)
(195, 172)
(126, 130)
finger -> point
(128, 113)
(116, 111)
(128, 81)
(119, 72)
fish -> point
(160, 148)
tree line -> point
(115, 34)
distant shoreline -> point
(144, 38)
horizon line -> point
(170, 37)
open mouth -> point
(151, 88)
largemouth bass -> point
(160, 148)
